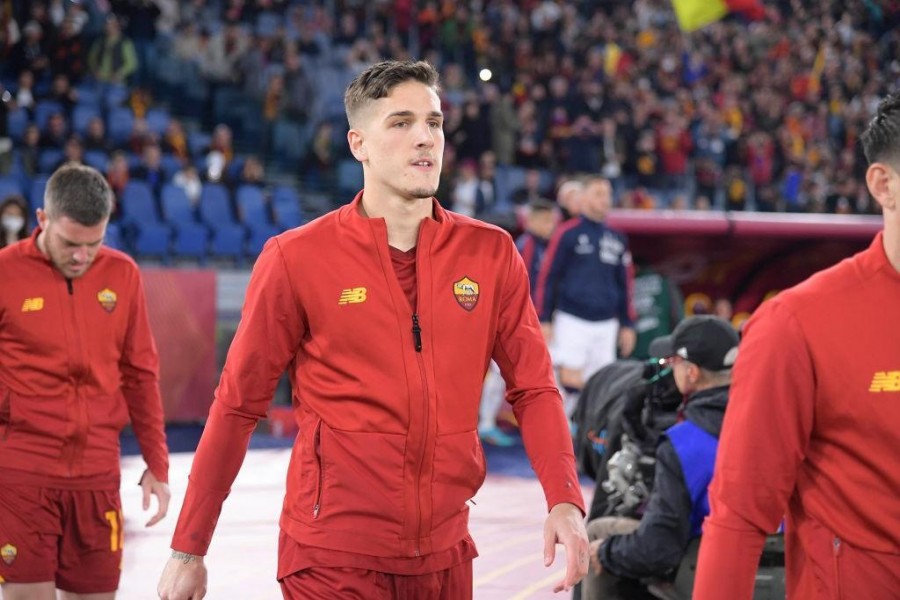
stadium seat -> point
(191, 241)
(215, 205)
(114, 95)
(48, 159)
(36, 193)
(157, 120)
(176, 207)
(97, 159)
(9, 186)
(349, 176)
(16, 123)
(228, 241)
(152, 239)
(138, 206)
(43, 110)
(171, 164)
(258, 238)
(113, 237)
(287, 208)
(82, 114)
(198, 141)
(120, 122)
(252, 206)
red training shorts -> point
(71, 537)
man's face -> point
(597, 199)
(400, 139)
(541, 223)
(69, 245)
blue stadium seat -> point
(36, 194)
(215, 205)
(228, 241)
(176, 207)
(114, 95)
(287, 208)
(82, 114)
(152, 239)
(157, 120)
(198, 141)
(258, 237)
(88, 94)
(138, 206)
(191, 241)
(97, 159)
(113, 237)
(119, 124)
(43, 110)
(349, 176)
(16, 123)
(252, 206)
(9, 186)
(171, 164)
(48, 159)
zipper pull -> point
(316, 511)
(417, 333)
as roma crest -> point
(466, 293)
(107, 299)
(8, 554)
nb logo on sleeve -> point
(352, 296)
(885, 381)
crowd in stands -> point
(741, 115)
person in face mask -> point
(13, 220)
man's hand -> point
(151, 486)
(627, 340)
(184, 578)
(565, 525)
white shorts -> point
(581, 345)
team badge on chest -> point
(107, 299)
(8, 554)
(466, 293)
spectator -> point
(29, 150)
(532, 189)
(67, 52)
(13, 219)
(25, 92)
(112, 58)
(30, 54)
(118, 175)
(701, 352)
(95, 139)
(150, 168)
(175, 141)
(188, 180)
(73, 152)
(62, 91)
(56, 133)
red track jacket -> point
(387, 400)
(811, 432)
(77, 359)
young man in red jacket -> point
(386, 312)
(77, 361)
(811, 428)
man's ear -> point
(42, 218)
(357, 142)
(884, 184)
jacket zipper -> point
(836, 546)
(417, 333)
(317, 446)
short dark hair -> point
(541, 205)
(80, 193)
(378, 80)
(881, 138)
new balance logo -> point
(885, 381)
(33, 304)
(352, 296)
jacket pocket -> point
(459, 470)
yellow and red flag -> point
(696, 14)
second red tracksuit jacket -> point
(387, 399)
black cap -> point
(709, 342)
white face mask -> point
(13, 223)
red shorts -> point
(316, 583)
(71, 537)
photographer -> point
(700, 351)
